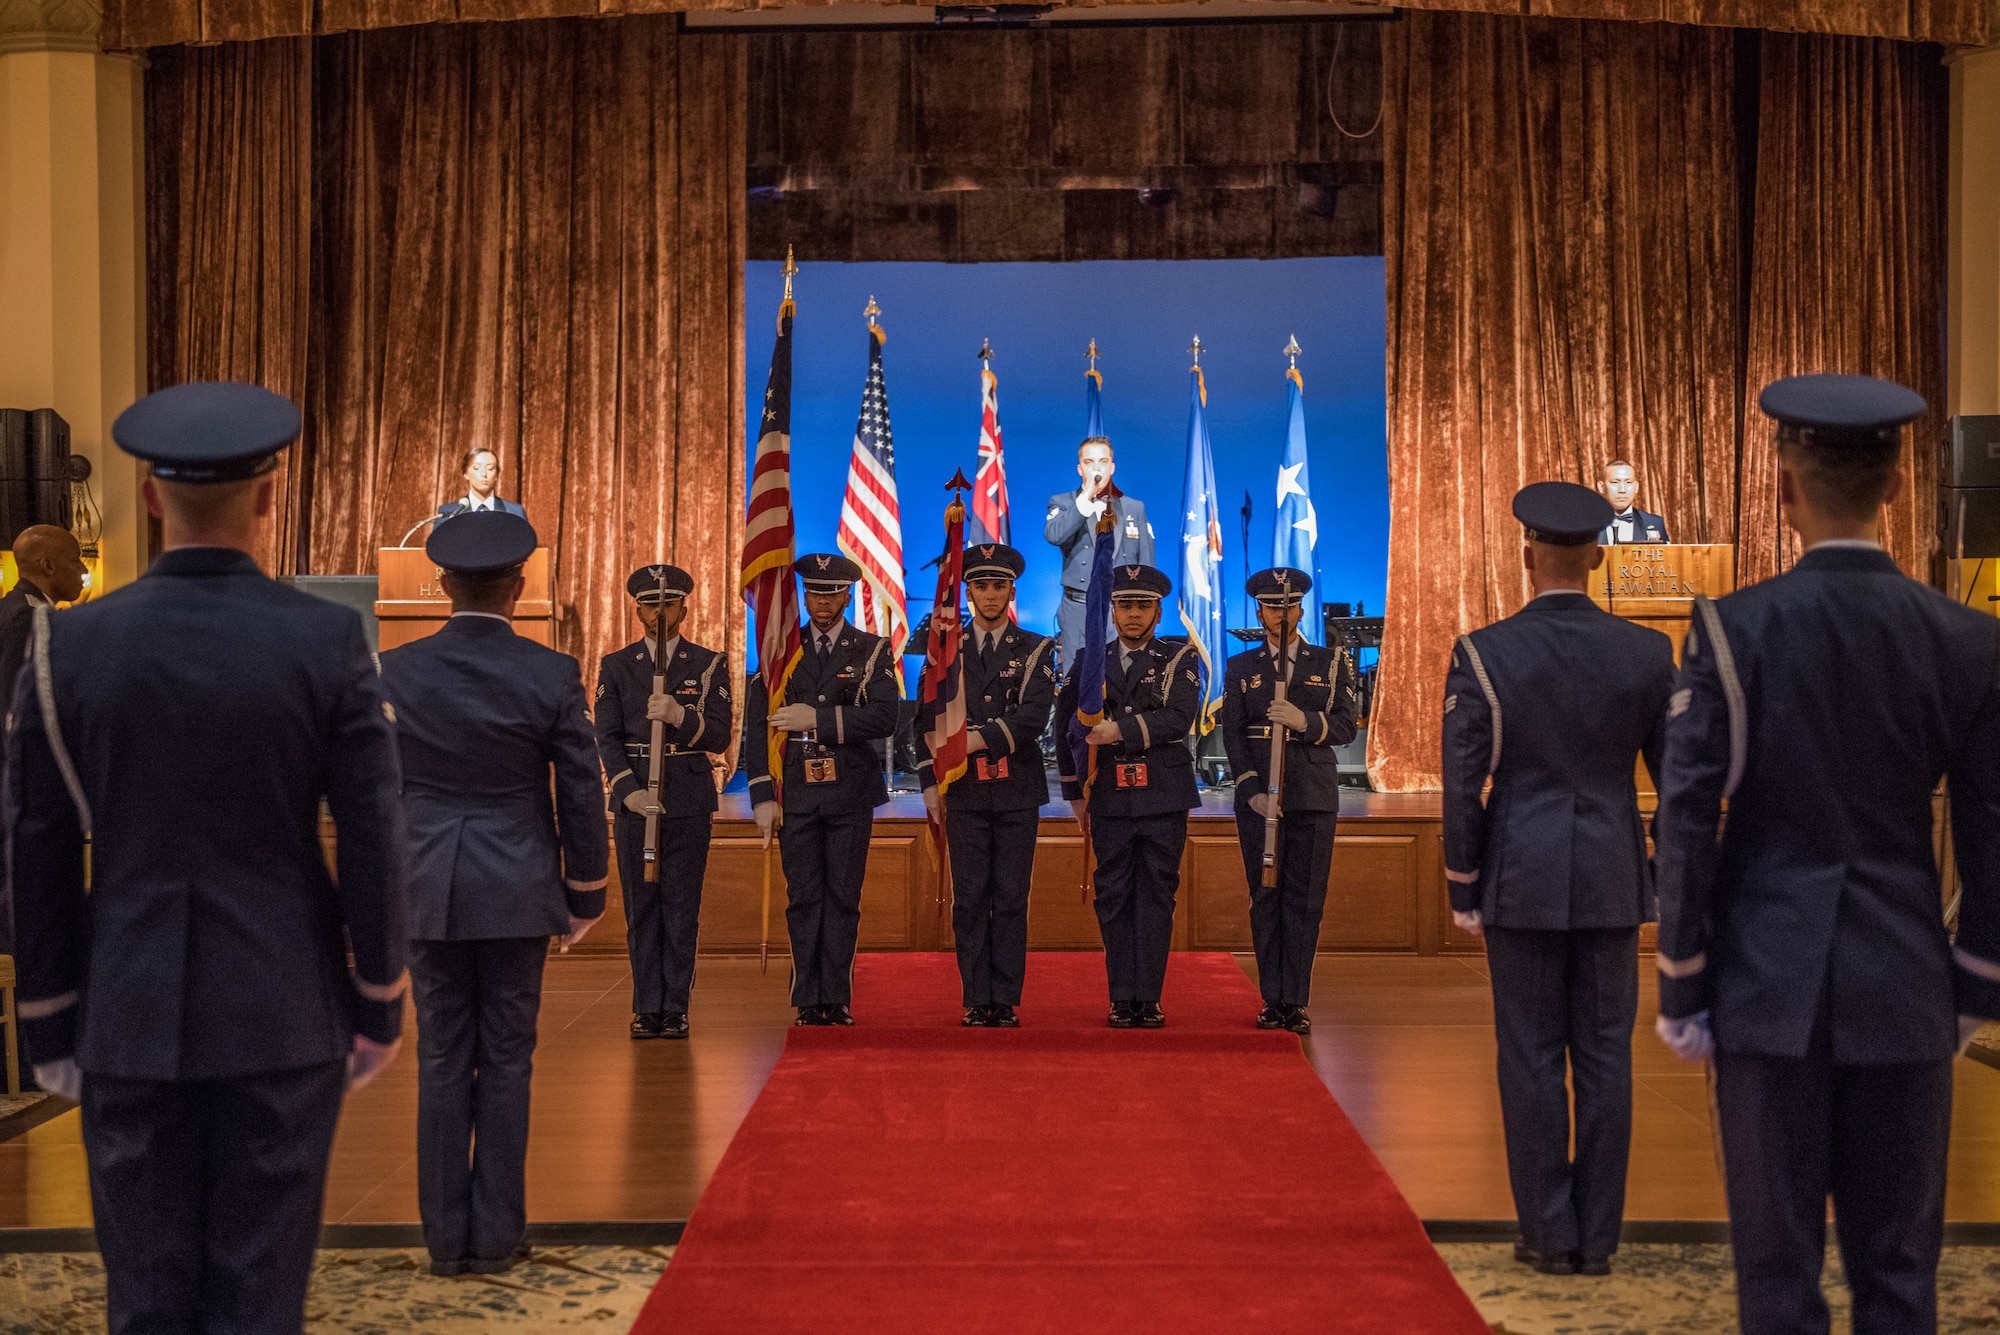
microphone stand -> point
(431, 519)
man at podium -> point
(481, 470)
(1629, 523)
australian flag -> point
(1295, 533)
(1201, 554)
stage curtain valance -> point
(1601, 240)
(527, 236)
(130, 24)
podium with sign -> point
(1655, 584)
(411, 602)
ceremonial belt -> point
(1260, 731)
(640, 750)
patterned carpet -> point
(1657, 1290)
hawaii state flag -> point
(990, 521)
(941, 689)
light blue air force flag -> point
(1295, 532)
(1200, 580)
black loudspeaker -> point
(34, 471)
(13, 445)
(1969, 521)
(1972, 458)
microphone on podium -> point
(431, 519)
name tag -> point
(822, 770)
(984, 767)
(1132, 774)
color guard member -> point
(1144, 789)
(1801, 941)
(992, 812)
(842, 696)
(198, 997)
(662, 916)
(1556, 704)
(506, 811)
(1318, 714)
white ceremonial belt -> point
(1686, 968)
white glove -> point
(63, 1078)
(1688, 1039)
(640, 803)
(767, 819)
(366, 1061)
(933, 804)
(1261, 804)
(1469, 922)
(1287, 715)
(975, 741)
(1968, 1025)
(794, 718)
(578, 929)
(665, 709)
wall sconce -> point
(86, 525)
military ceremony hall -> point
(1477, 810)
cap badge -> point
(822, 561)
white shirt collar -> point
(653, 649)
(490, 616)
(1862, 543)
(1551, 593)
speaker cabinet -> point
(1969, 521)
(1972, 458)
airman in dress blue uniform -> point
(1318, 714)
(1556, 703)
(841, 698)
(992, 812)
(662, 916)
(504, 860)
(197, 994)
(1142, 792)
(1802, 941)
(1071, 527)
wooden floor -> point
(627, 1130)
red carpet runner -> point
(911, 1175)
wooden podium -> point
(411, 601)
(1655, 584)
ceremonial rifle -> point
(1274, 784)
(653, 755)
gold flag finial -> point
(791, 267)
(1194, 349)
(871, 310)
(985, 349)
(1292, 350)
(1091, 353)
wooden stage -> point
(1387, 890)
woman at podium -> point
(481, 470)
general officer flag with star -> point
(1295, 532)
(1200, 583)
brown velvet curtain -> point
(130, 24)
(528, 236)
(1848, 261)
(1601, 239)
(228, 203)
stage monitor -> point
(355, 591)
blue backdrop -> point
(1143, 314)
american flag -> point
(871, 526)
(767, 537)
(989, 485)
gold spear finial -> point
(1292, 350)
(985, 349)
(1091, 352)
(1194, 349)
(791, 267)
(871, 310)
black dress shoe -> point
(1271, 1017)
(811, 1015)
(1002, 1017)
(1297, 1020)
(674, 1024)
(1124, 1014)
(976, 1017)
(481, 1266)
(447, 1269)
(1151, 1016)
(1595, 1266)
(1556, 1264)
(645, 1026)
(837, 1015)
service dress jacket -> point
(857, 698)
(1007, 702)
(486, 719)
(1323, 683)
(1076, 534)
(1824, 706)
(195, 721)
(699, 679)
(1555, 703)
(1155, 703)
